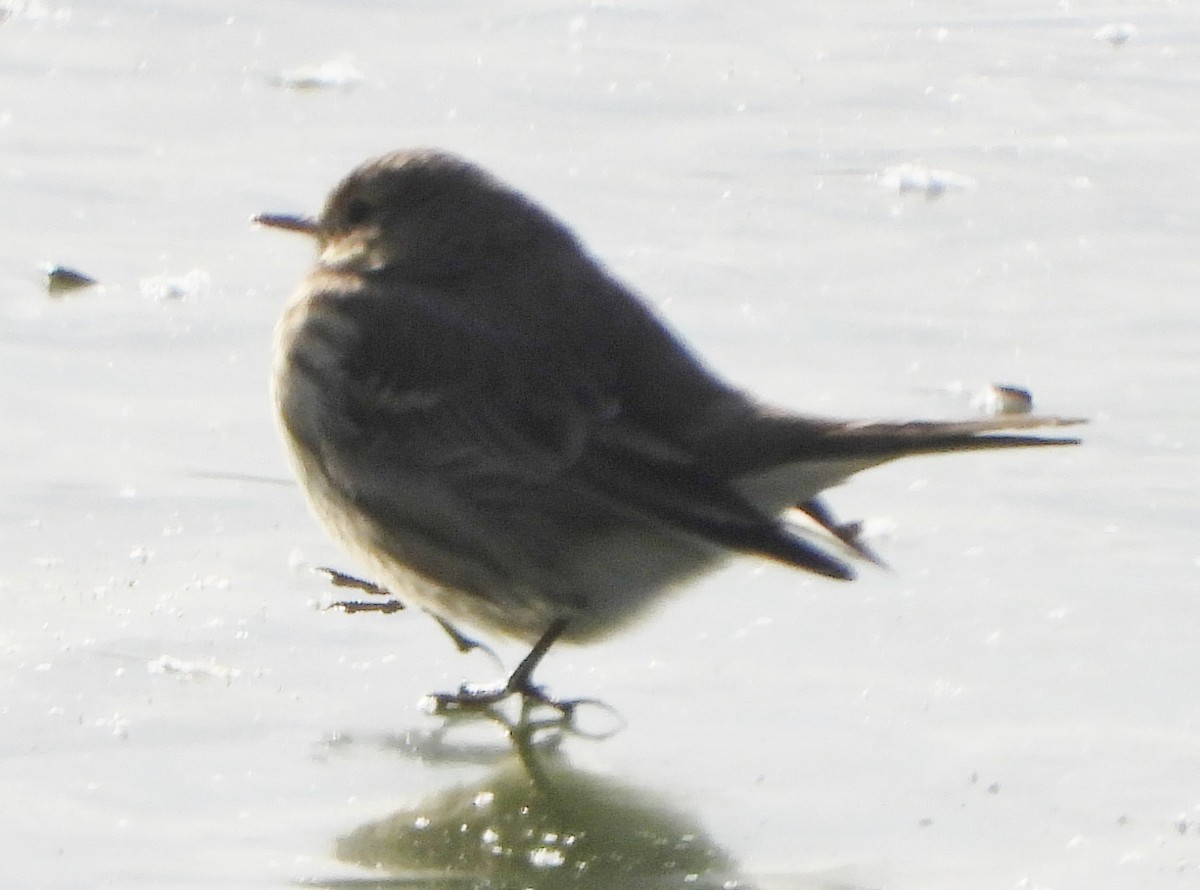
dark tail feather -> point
(781, 439)
(849, 533)
(780, 544)
(857, 439)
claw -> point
(352, 606)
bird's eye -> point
(358, 211)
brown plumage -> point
(506, 435)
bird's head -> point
(421, 214)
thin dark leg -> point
(462, 642)
(519, 681)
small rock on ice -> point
(932, 183)
(335, 74)
(1116, 33)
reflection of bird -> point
(502, 432)
(536, 820)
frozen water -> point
(1016, 703)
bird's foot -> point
(341, 579)
(538, 710)
(534, 699)
(474, 699)
(351, 606)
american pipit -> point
(502, 433)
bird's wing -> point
(521, 453)
(468, 412)
(654, 479)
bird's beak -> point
(303, 224)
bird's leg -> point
(519, 682)
(461, 641)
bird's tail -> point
(796, 458)
(886, 441)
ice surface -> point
(1016, 703)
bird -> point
(502, 433)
